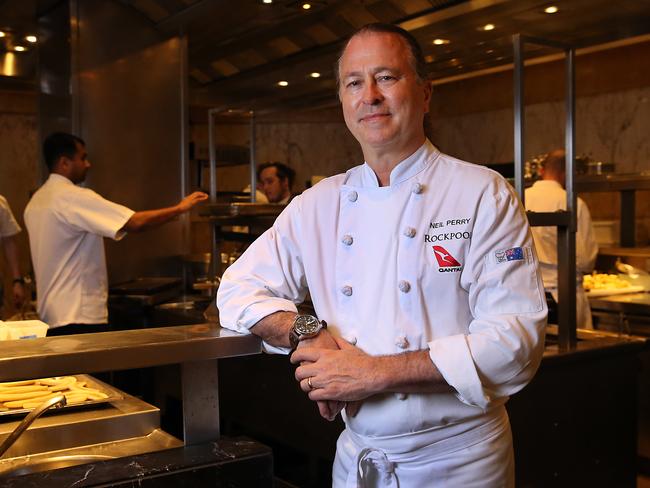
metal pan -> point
(113, 395)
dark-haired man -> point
(276, 181)
(423, 267)
(66, 224)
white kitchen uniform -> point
(66, 226)
(442, 259)
(8, 224)
(8, 228)
(549, 196)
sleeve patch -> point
(512, 254)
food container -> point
(25, 329)
(606, 232)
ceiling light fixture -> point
(267, 1)
(488, 27)
(440, 42)
(306, 6)
(283, 83)
(315, 74)
(31, 39)
(2, 34)
(551, 9)
(20, 48)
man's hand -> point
(344, 375)
(324, 340)
(189, 201)
(18, 294)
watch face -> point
(306, 324)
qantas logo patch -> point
(446, 262)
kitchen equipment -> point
(111, 395)
(22, 329)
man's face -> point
(383, 101)
(78, 166)
(275, 188)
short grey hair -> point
(417, 60)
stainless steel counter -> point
(631, 303)
(109, 351)
(196, 347)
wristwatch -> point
(304, 327)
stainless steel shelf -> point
(613, 182)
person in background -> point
(422, 272)
(549, 195)
(9, 229)
(66, 224)
(276, 181)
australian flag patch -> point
(512, 254)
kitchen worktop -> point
(110, 351)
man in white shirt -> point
(276, 181)
(549, 195)
(424, 269)
(66, 224)
(9, 229)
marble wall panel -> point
(19, 162)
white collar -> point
(548, 184)
(404, 170)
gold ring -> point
(309, 383)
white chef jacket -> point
(549, 196)
(8, 224)
(66, 226)
(442, 259)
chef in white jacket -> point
(549, 195)
(424, 270)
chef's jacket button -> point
(346, 290)
(352, 196)
(351, 339)
(417, 188)
(401, 396)
(409, 232)
(401, 342)
(347, 240)
(404, 286)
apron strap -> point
(373, 469)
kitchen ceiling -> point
(239, 51)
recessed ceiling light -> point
(488, 27)
(267, 1)
(2, 34)
(551, 9)
(283, 83)
(20, 48)
(306, 6)
(440, 42)
(315, 74)
(489, 51)
(31, 39)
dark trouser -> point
(71, 329)
(552, 308)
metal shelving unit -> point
(627, 186)
(564, 221)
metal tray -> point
(113, 395)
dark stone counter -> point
(235, 463)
